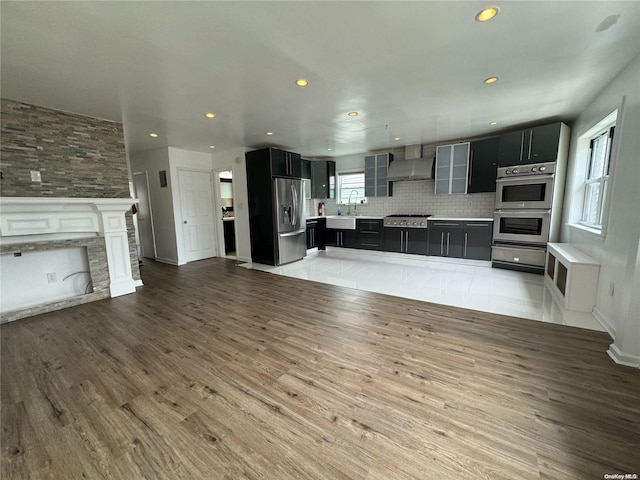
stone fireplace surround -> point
(46, 223)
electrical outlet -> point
(611, 288)
(52, 277)
(36, 176)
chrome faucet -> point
(355, 205)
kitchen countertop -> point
(461, 219)
(379, 217)
(365, 217)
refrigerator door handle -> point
(294, 206)
(291, 234)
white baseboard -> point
(622, 358)
(606, 324)
(166, 260)
(244, 259)
(138, 283)
(118, 289)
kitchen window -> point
(596, 185)
(350, 184)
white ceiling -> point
(414, 70)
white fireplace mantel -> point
(35, 219)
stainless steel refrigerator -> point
(290, 228)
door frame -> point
(218, 207)
(180, 210)
(153, 231)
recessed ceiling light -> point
(487, 14)
(491, 80)
(212, 146)
(397, 138)
(209, 114)
(269, 133)
(493, 123)
(353, 114)
(301, 82)
(328, 149)
(153, 134)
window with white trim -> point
(350, 187)
(596, 185)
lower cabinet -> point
(370, 234)
(229, 235)
(460, 239)
(341, 238)
(477, 240)
(445, 238)
(316, 233)
(406, 240)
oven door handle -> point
(525, 178)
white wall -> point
(24, 281)
(180, 158)
(161, 200)
(618, 251)
(234, 160)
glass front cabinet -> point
(452, 162)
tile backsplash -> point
(415, 197)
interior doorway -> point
(144, 217)
(225, 196)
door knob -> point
(184, 221)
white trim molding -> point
(622, 358)
(45, 218)
(606, 324)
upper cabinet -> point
(452, 162)
(323, 173)
(306, 169)
(375, 175)
(483, 165)
(533, 145)
(284, 164)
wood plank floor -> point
(214, 371)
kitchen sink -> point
(342, 222)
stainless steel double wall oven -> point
(522, 220)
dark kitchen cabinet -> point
(544, 142)
(451, 170)
(533, 145)
(406, 240)
(483, 165)
(323, 174)
(393, 239)
(284, 164)
(446, 238)
(370, 234)
(229, 235)
(316, 233)
(306, 169)
(477, 240)
(375, 175)
(341, 238)
(416, 241)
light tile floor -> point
(461, 283)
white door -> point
(144, 216)
(196, 198)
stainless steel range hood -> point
(413, 167)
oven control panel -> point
(547, 168)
